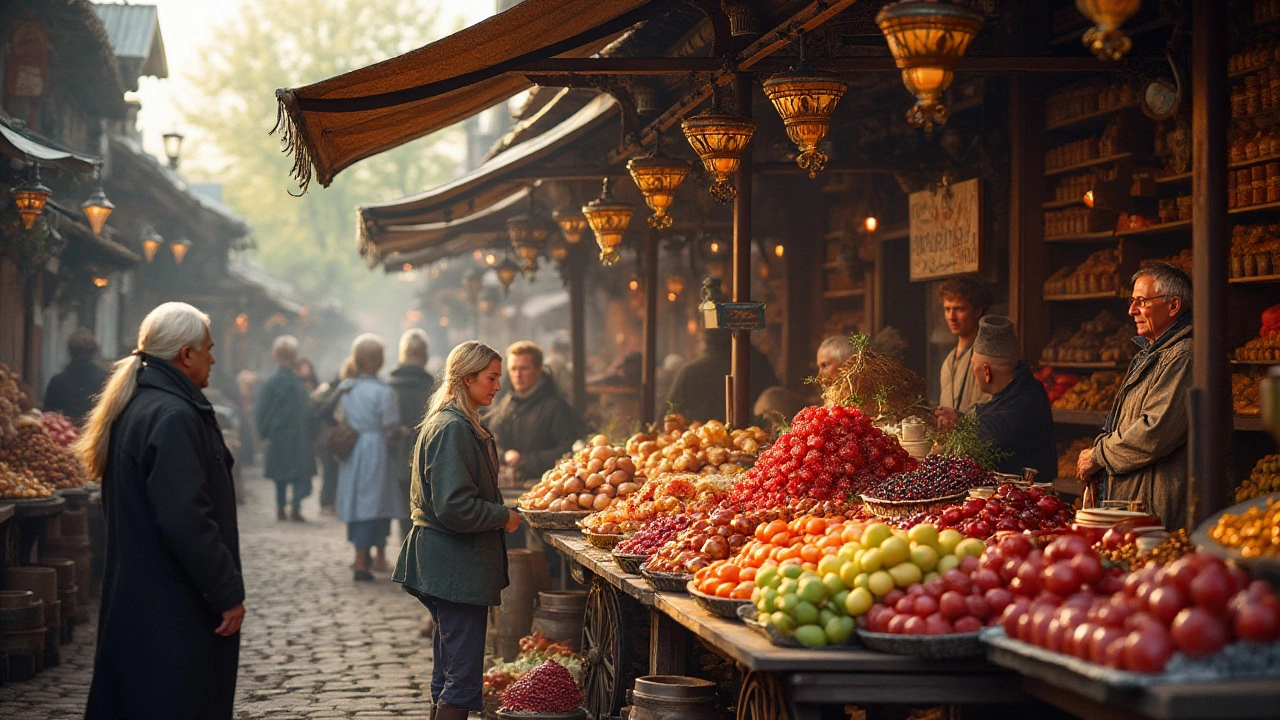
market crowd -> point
(428, 453)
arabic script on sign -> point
(946, 231)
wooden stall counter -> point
(600, 563)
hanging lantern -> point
(506, 272)
(927, 39)
(675, 285)
(806, 99)
(528, 232)
(30, 197)
(572, 224)
(151, 242)
(1105, 39)
(180, 249)
(97, 208)
(719, 139)
(608, 219)
(558, 249)
(658, 175)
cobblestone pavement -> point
(315, 645)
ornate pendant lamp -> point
(30, 197)
(608, 219)
(1105, 39)
(658, 175)
(927, 39)
(507, 270)
(97, 208)
(572, 224)
(528, 232)
(719, 139)
(806, 99)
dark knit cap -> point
(996, 338)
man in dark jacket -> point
(173, 593)
(72, 391)
(412, 384)
(698, 390)
(532, 423)
(284, 420)
(1018, 419)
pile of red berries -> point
(937, 476)
(653, 535)
(548, 688)
(1010, 509)
(829, 454)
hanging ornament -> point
(608, 219)
(927, 39)
(806, 99)
(658, 175)
(30, 197)
(1105, 39)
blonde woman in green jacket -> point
(455, 557)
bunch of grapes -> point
(829, 454)
(653, 535)
(937, 476)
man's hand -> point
(513, 521)
(231, 620)
(946, 417)
(511, 458)
(1085, 465)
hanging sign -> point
(946, 231)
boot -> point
(280, 515)
(445, 711)
(296, 516)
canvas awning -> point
(18, 142)
(428, 242)
(492, 182)
(331, 124)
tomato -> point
(1149, 649)
(1212, 590)
(1166, 602)
(1101, 640)
(1257, 621)
(1088, 568)
(1199, 633)
(952, 605)
(1060, 577)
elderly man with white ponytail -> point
(173, 593)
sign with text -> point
(946, 231)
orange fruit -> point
(728, 572)
(708, 586)
(743, 591)
(724, 589)
(810, 553)
(748, 574)
(815, 526)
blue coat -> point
(367, 489)
(284, 419)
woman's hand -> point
(513, 521)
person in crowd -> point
(832, 353)
(458, 522)
(533, 424)
(247, 393)
(412, 385)
(173, 593)
(890, 343)
(325, 401)
(777, 405)
(284, 421)
(1018, 420)
(368, 495)
(964, 301)
(307, 372)
(698, 390)
(558, 365)
(1142, 451)
(72, 391)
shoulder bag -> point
(340, 438)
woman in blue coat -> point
(455, 558)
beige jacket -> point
(959, 387)
(1145, 454)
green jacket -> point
(457, 549)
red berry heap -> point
(548, 688)
(829, 454)
(60, 427)
(653, 536)
(937, 476)
(1009, 509)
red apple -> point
(1199, 633)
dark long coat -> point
(71, 391)
(284, 420)
(698, 390)
(172, 559)
(412, 385)
(1019, 421)
(541, 426)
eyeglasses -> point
(1144, 302)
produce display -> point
(1255, 532)
(1067, 460)
(708, 449)
(60, 428)
(1254, 249)
(936, 476)
(875, 384)
(1121, 548)
(656, 533)
(535, 650)
(20, 484)
(31, 448)
(1103, 339)
(1263, 480)
(1056, 384)
(1008, 509)
(1099, 273)
(593, 479)
(548, 688)
(1094, 393)
(663, 496)
(829, 454)
(1266, 347)
(12, 403)
(1246, 394)
(710, 536)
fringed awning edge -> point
(294, 141)
(367, 248)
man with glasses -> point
(1143, 446)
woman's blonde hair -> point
(162, 334)
(368, 353)
(466, 360)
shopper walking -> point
(455, 558)
(412, 385)
(72, 391)
(172, 594)
(284, 421)
(368, 497)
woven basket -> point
(723, 607)
(930, 647)
(907, 508)
(630, 564)
(667, 582)
(601, 540)
(546, 520)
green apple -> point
(947, 562)
(829, 564)
(871, 560)
(874, 534)
(849, 574)
(905, 574)
(811, 636)
(863, 580)
(806, 613)
(834, 584)
(924, 557)
(948, 540)
(839, 629)
(924, 534)
(839, 599)
(812, 590)
(971, 546)
(791, 572)
(786, 603)
(784, 622)
(859, 602)
(768, 577)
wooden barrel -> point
(16, 598)
(67, 598)
(64, 567)
(42, 581)
(30, 617)
(25, 651)
(53, 634)
(77, 549)
(73, 523)
(527, 570)
(673, 697)
(559, 616)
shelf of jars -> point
(1101, 236)
(1159, 228)
(1248, 279)
(1088, 163)
(1111, 295)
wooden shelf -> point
(1250, 163)
(843, 294)
(1057, 204)
(1249, 279)
(1083, 365)
(1249, 423)
(833, 265)
(1082, 120)
(1176, 226)
(1088, 164)
(1174, 179)
(1100, 236)
(1249, 209)
(1080, 417)
(1256, 363)
(1085, 296)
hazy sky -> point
(186, 26)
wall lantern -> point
(719, 139)
(558, 249)
(870, 223)
(806, 99)
(180, 249)
(151, 242)
(173, 147)
(97, 208)
(507, 270)
(779, 250)
(1105, 39)
(528, 232)
(658, 175)
(608, 219)
(927, 39)
(30, 197)
(572, 224)
(100, 281)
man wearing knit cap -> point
(1018, 419)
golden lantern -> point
(870, 223)
(658, 175)
(806, 99)
(100, 281)
(180, 249)
(97, 209)
(927, 39)
(506, 272)
(572, 224)
(151, 242)
(1105, 39)
(528, 232)
(719, 139)
(608, 219)
(30, 197)
(474, 282)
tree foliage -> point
(309, 240)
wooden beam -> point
(578, 259)
(649, 354)
(621, 66)
(741, 271)
(544, 72)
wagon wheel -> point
(605, 645)
(762, 698)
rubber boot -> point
(445, 711)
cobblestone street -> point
(315, 644)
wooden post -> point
(649, 361)
(1211, 441)
(1028, 258)
(742, 261)
(577, 325)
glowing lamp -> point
(1105, 39)
(507, 270)
(151, 242)
(806, 99)
(608, 219)
(870, 223)
(30, 197)
(97, 209)
(180, 249)
(658, 175)
(572, 224)
(719, 139)
(927, 39)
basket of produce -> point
(593, 479)
(547, 520)
(629, 563)
(752, 618)
(578, 714)
(937, 480)
(722, 606)
(907, 508)
(603, 541)
(665, 581)
(706, 448)
(929, 647)
(1248, 533)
